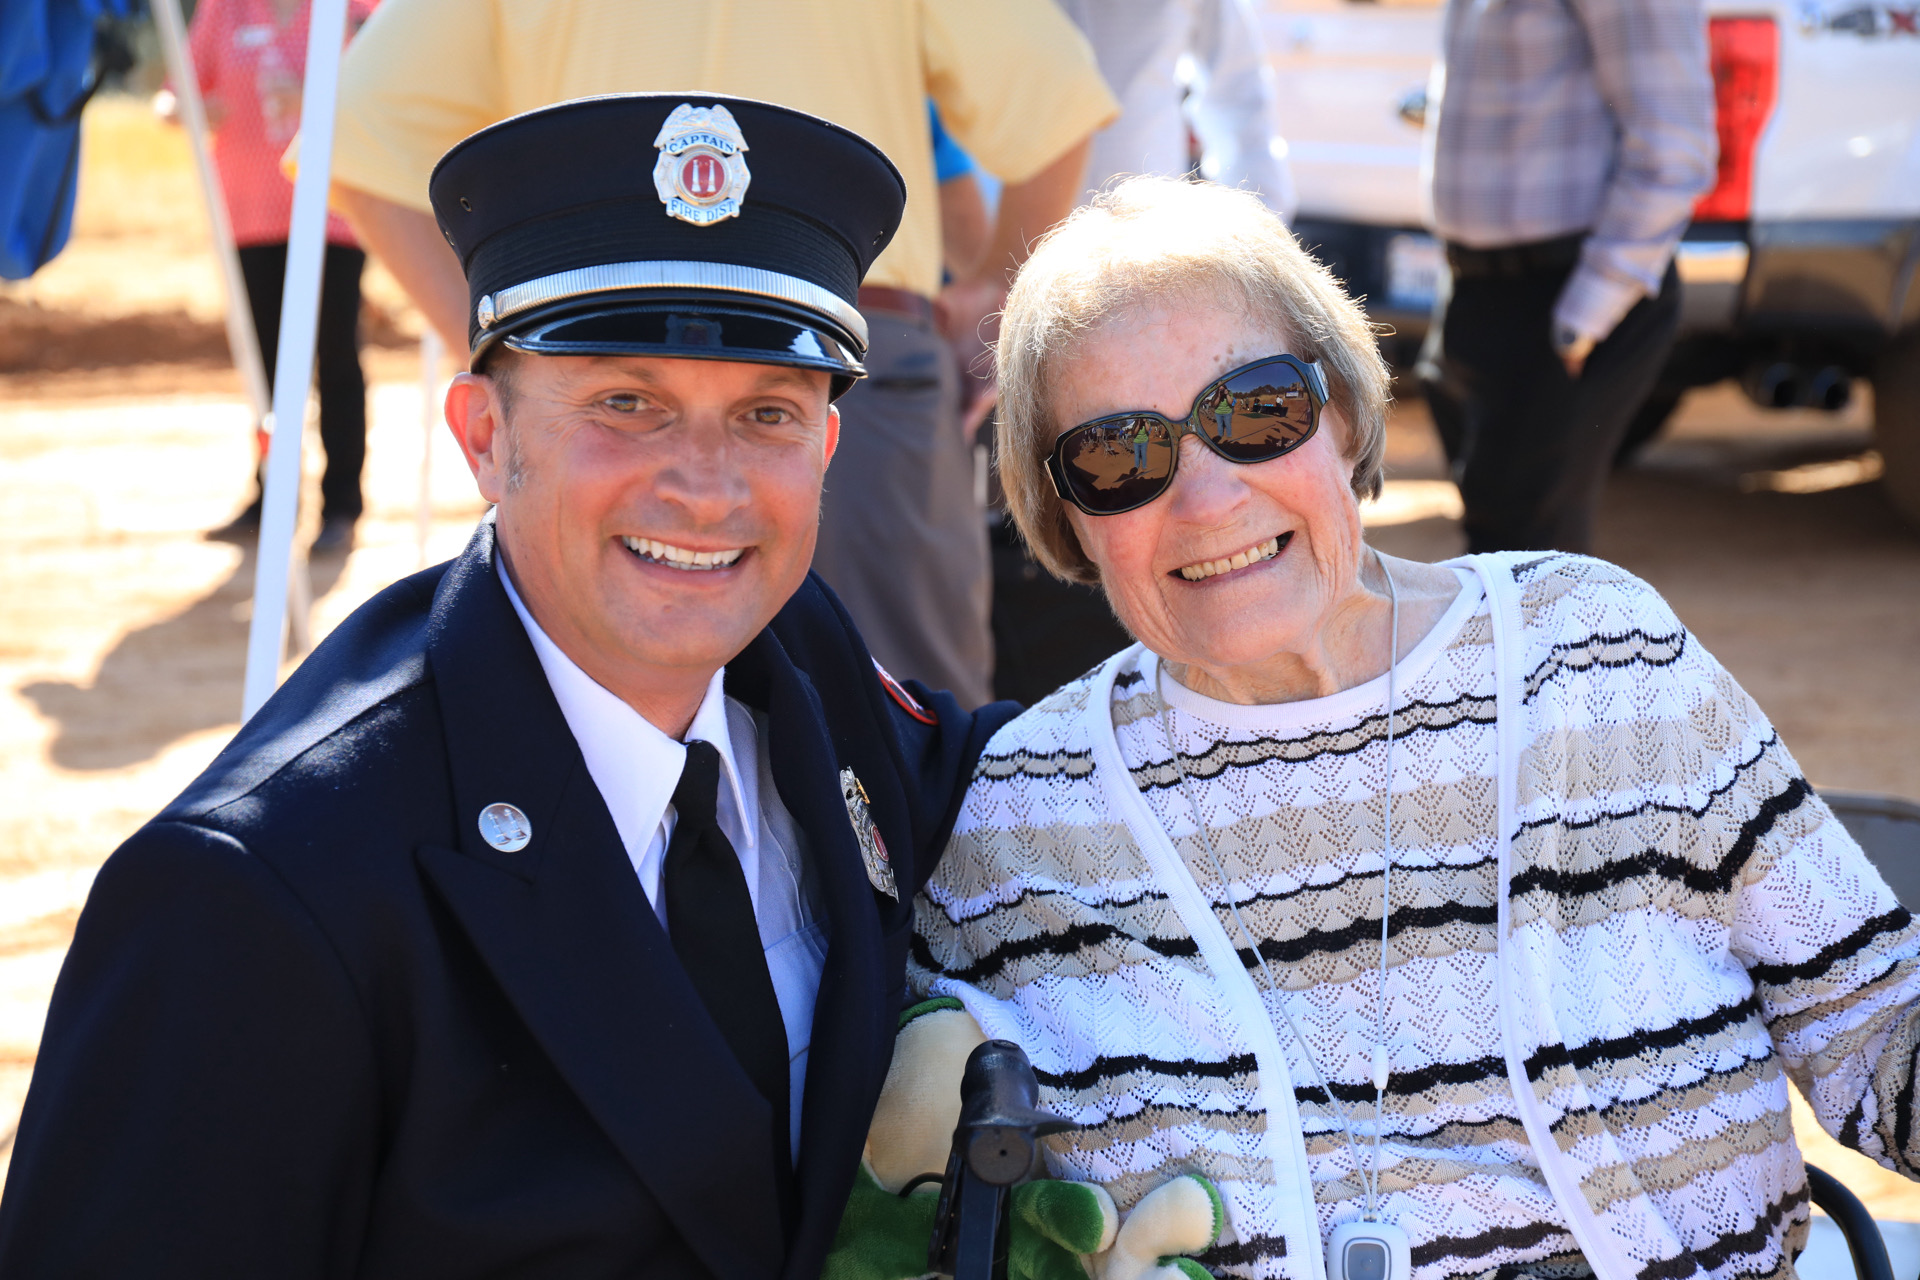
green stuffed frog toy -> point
(1060, 1230)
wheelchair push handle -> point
(995, 1146)
(1001, 1122)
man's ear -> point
(833, 431)
(475, 412)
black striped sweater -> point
(1621, 920)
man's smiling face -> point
(654, 513)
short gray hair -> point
(1149, 240)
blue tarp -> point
(47, 73)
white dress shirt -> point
(1141, 46)
(636, 767)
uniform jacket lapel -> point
(568, 933)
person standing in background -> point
(965, 225)
(964, 221)
(250, 57)
(1227, 106)
(902, 535)
(1570, 141)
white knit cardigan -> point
(1682, 925)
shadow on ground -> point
(163, 682)
(1694, 523)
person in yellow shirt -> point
(902, 538)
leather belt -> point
(896, 302)
(1513, 260)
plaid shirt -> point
(1562, 116)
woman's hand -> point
(166, 105)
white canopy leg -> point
(299, 321)
(431, 353)
(299, 598)
(242, 338)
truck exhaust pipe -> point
(1830, 389)
(1781, 384)
(1778, 385)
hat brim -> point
(689, 327)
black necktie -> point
(710, 918)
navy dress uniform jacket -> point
(313, 1025)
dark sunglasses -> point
(1255, 413)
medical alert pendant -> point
(701, 174)
(873, 850)
(1369, 1251)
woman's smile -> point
(1257, 554)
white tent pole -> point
(299, 599)
(431, 351)
(241, 338)
(299, 320)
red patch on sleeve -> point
(901, 696)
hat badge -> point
(701, 174)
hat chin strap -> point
(725, 277)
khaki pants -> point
(903, 541)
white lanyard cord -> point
(1370, 1171)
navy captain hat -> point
(669, 224)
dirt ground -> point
(122, 632)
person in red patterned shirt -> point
(249, 56)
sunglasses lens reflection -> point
(1118, 464)
(1262, 413)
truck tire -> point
(1896, 423)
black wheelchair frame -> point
(1869, 1251)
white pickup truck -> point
(1802, 267)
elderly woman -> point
(1473, 902)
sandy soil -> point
(123, 633)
